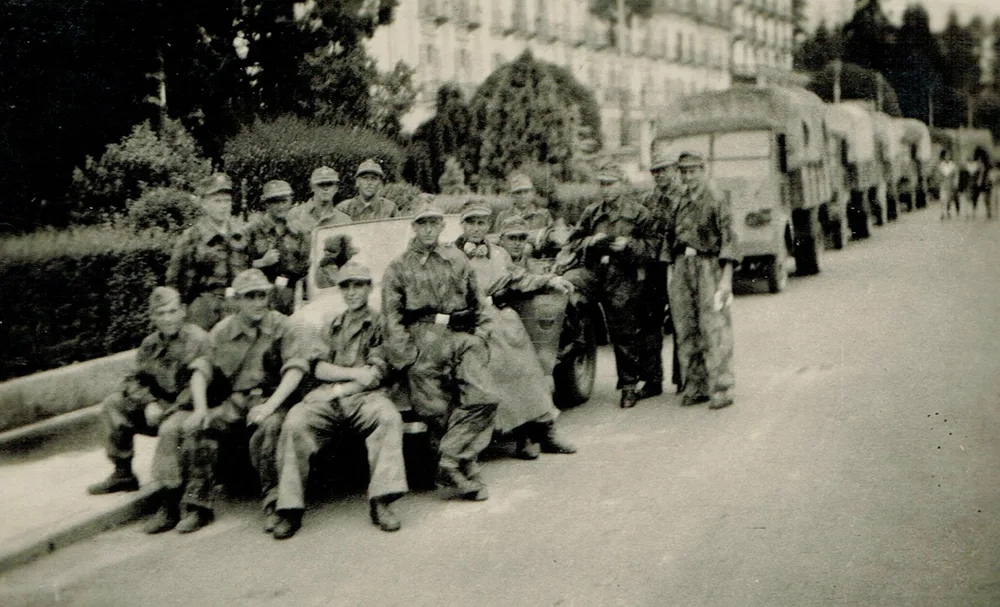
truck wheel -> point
(807, 241)
(776, 272)
(575, 373)
(839, 232)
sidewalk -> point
(44, 477)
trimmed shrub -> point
(168, 209)
(401, 193)
(81, 294)
(290, 148)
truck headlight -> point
(757, 219)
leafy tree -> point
(452, 181)
(815, 52)
(919, 65)
(392, 96)
(436, 139)
(867, 38)
(856, 83)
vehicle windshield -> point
(747, 181)
(742, 144)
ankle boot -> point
(122, 479)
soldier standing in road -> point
(368, 204)
(155, 389)
(319, 210)
(351, 365)
(209, 254)
(253, 372)
(434, 317)
(277, 250)
(700, 239)
(616, 244)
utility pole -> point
(837, 66)
(623, 76)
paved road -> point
(859, 466)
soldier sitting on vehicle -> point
(349, 362)
(368, 204)
(526, 406)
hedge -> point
(75, 295)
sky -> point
(836, 10)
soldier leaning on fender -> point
(348, 362)
(434, 333)
(243, 388)
(153, 392)
(700, 239)
(209, 254)
(615, 243)
(276, 248)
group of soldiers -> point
(230, 370)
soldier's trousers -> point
(226, 430)
(623, 290)
(704, 335)
(312, 423)
(452, 390)
(123, 418)
(183, 461)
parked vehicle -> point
(766, 149)
(915, 163)
(852, 132)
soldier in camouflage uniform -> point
(368, 204)
(209, 255)
(434, 318)
(615, 244)
(700, 241)
(319, 210)
(155, 389)
(280, 252)
(252, 375)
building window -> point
(679, 50)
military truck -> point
(855, 165)
(766, 151)
(914, 162)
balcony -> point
(474, 15)
(437, 11)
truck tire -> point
(808, 244)
(857, 217)
(776, 272)
(574, 375)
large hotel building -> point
(685, 46)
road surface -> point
(860, 465)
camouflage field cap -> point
(519, 182)
(476, 207)
(355, 271)
(609, 172)
(324, 175)
(249, 281)
(218, 182)
(690, 160)
(428, 208)
(276, 189)
(662, 162)
(370, 167)
(162, 297)
(513, 225)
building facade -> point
(685, 46)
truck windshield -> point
(742, 144)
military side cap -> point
(324, 174)
(662, 162)
(353, 270)
(475, 207)
(249, 281)
(163, 296)
(689, 160)
(219, 182)
(369, 167)
(276, 189)
(609, 172)
(428, 208)
(519, 182)
(514, 224)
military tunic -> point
(700, 240)
(353, 339)
(618, 281)
(361, 210)
(271, 232)
(245, 365)
(204, 262)
(440, 360)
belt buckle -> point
(689, 252)
(442, 319)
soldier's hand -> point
(560, 284)
(269, 259)
(618, 244)
(367, 377)
(153, 413)
(596, 239)
(723, 298)
(196, 421)
(258, 414)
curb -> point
(48, 426)
(83, 527)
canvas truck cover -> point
(796, 113)
(916, 133)
(855, 125)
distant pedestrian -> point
(368, 205)
(947, 175)
(981, 185)
(700, 238)
(209, 254)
